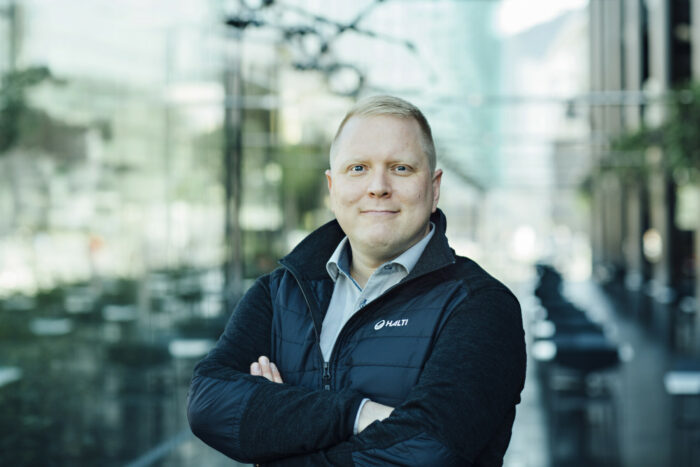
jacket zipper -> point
(326, 376)
(349, 325)
(325, 373)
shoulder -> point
(275, 278)
(488, 310)
(475, 279)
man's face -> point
(381, 190)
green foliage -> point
(14, 326)
(121, 291)
(585, 188)
(678, 138)
(15, 113)
(50, 301)
(303, 179)
(138, 354)
(628, 153)
(198, 327)
(681, 135)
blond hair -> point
(395, 107)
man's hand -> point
(371, 412)
(264, 367)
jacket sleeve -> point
(249, 418)
(461, 411)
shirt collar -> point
(340, 259)
(410, 257)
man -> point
(373, 343)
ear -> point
(437, 178)
(329, 179)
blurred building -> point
(544, 153)
(137, 137)
(644, 208)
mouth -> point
(378, 212)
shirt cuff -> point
(357, 417)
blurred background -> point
(157, 156)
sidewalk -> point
(529, 445)
(643, 408)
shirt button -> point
(362, 303)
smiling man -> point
(372, 343)
(383, 188)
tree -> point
(17, 117)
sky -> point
(515, 16)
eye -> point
(357, 168)
(402, 169)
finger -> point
(265, 367)
(276, 377)
(255, 369)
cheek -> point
(347, 195)
(416, 196)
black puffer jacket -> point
(445, 347)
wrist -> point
(372, 412)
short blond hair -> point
(395, 107)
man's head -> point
(382, 182)
(393, 106)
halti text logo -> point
(390, 323)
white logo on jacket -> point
(390, 323)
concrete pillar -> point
(659, 75)
(597, 65)
(658, 14)
(614, 218)
(695, 38)
(695, 68)
(612, 72)
(597, 216)
(659, 220)
(632, 59)
(606, 75)
(632, 81)
(633, 240)
(697, 292)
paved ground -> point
(642, 407)
(529, 444)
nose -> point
(379, 185)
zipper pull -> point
(326, 377)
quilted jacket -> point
(445, 347)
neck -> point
(362, 267)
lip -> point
(379, 212)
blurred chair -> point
(682, 383)
(575, 358)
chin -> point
(385, 247)
(377, 236)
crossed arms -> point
(459, 413)
(369, 412)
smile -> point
(379, 212)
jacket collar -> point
(308, 259)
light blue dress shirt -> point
(348, 297)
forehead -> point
(379, 135)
